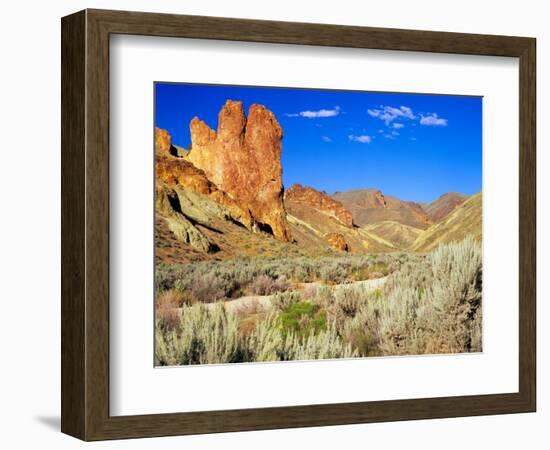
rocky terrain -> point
(223, 197)
(244, 160)
(299, 195)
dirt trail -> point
(263, 302)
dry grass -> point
(167, 312)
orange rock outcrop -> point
(337, 241)
(243, 159)
(163, 141)
(319, 201)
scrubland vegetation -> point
(212, 281)
(321, 308)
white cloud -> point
(389, 113)
(395, 133)
(363, 139)
(389, 136)
(398, 125)
(374, 112)
(316, 114)
(326, 138)
(433, 119)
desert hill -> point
(317, 220)
(443, 206)
(371, 205)
(464, 220)
(401, 236)
(299, 195)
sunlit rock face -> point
(320, 201)
(243, 159)
(337, 241)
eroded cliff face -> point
(175, 172)
(163, 142)
(243, 159)
(320, 201)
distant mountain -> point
(464, 220)
(298, 194)
(443, 206)
(371, 206)
(319, 221)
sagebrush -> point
(428, 304)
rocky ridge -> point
(372, 205)
(299, 194)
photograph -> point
(296, 224)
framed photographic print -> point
(270, 225)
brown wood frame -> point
(85, 224)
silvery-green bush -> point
(205, 335)
(432, 304)
(210, 335)
(435, 307)
(243, 271)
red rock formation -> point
(243, 159)
(163, 141)
(337, 241)
(319, 201)
(173, 171)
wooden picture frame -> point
(85, 224)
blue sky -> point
(413, 146)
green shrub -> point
(284, 300)
(209, 334)
(325, 344)
(302, 319)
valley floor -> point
(295, 308)
(265, 302)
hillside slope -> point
(444, 205)
(399, 235)
(314, 216)
(371, 205)
(465, 220)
